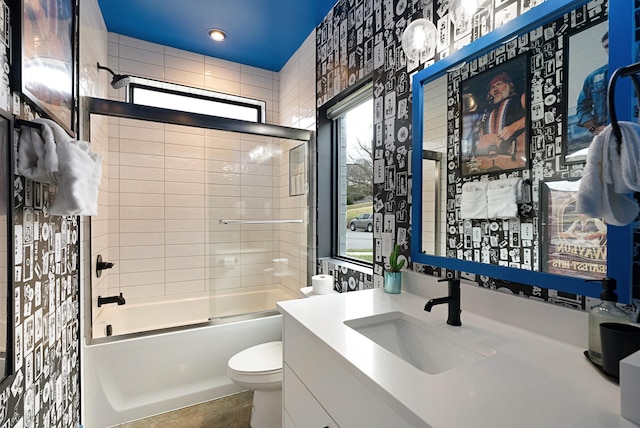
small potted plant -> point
(392, 276)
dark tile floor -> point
(233, 411)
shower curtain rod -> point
(259, 221)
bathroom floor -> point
(233, 411)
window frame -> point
(328, 169)
(259, 106)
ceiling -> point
(260, 33)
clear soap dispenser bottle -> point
(606, 311)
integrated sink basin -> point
(430, 349)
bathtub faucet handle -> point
(100, 265)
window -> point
(352, 132)
(184, 98)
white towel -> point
(37, 159)
(51, 156)
(502, 197)
(604, 191)
(473, 201)
(78, 180)
(630, 155)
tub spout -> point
(111, 299)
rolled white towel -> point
(502, 198)
(473, 201)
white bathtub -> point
(137, 376)
(146, 316)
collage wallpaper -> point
(44, 389)
(362, 38)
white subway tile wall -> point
(168, 186)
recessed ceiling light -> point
(217, 35)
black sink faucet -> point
(453, 300)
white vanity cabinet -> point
(320, 390)
(302, 410)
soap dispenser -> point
(606, 311)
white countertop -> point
(530, 381)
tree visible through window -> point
(355, 195)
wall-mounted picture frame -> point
(571, 243)
(297, 168)
(495, 119)
(587, 80)
(45, 68)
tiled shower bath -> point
(177, 201)
(205, 232)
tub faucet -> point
(453, 300)
(111, 299)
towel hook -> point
(630, 71)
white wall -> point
(190, 178)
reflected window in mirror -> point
(434, 167)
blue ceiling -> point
(261, 33)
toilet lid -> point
(260, 358)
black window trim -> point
(259, 106)
(327, 173)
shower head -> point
(118, 81)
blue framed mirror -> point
(453, 108)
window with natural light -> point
(354, 134)
(193, 100)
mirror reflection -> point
(434, 167)
(495, 130)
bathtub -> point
(160, 314)
(138, 375)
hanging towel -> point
(473, 202)
(630, 155)
(607, 181)
(37, 159)
(502, 197)
(50, 156)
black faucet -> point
(453, 299)
(111, 299)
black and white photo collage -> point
(44, 389)
(361, 39)
(514, 242)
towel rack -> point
(28, 123)
(259, 221)
(627, 71)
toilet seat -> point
(258, 367)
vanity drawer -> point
(302, 408)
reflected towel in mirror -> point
(473, 201)
(502, 197)
(610, 178)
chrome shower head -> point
(118, 81)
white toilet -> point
(259, 368)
